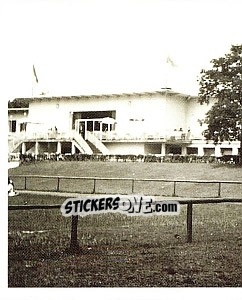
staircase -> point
(13, 144)
(81, 144)
(95, 150)
(89, 146)
(97, 145)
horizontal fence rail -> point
(74, 245)
(56, 186)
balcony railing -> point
(39, 135)
(110, 136)
(104, 136)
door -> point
(82, 129)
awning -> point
(108, 120)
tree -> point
(224, 83)
(18, 103)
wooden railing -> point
(74, 244)
(132, 182)
(189, 201)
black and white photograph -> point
(124, 148)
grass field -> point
(132, 170)
(117, 250)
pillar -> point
(72, 148)
(200, 150)
(58, 148)
(70, 120)
(77, 126)
(23, 148)
(101, 128)
(184, 150)
(36, 148)
(85, 132)
(217, 151)
(163, 149)
(235, 150)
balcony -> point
(113, 136)
(179, 137)
(109, 136)
(33, 136)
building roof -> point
(164, 92)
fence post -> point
(189, 222)
(25, 182)
(94, 186)
(74, 246)
(174, 189)
(132, 185)
(58, 184)
(219, 189)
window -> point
(12, 126)
(226, 151)
(192, 150)
(209, 151)
(23, 126)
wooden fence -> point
(56, 187)
(74, 245)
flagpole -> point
(35, 80)
(169, 65)
(32, 86)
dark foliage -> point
(18, 103)
(224, 82)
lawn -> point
(121, 251)
(131, 170)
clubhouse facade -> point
(158, 123)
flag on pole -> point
(170, 62)
(35, 74)
(169, 72)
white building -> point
(162, 122)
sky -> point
(94, 47)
